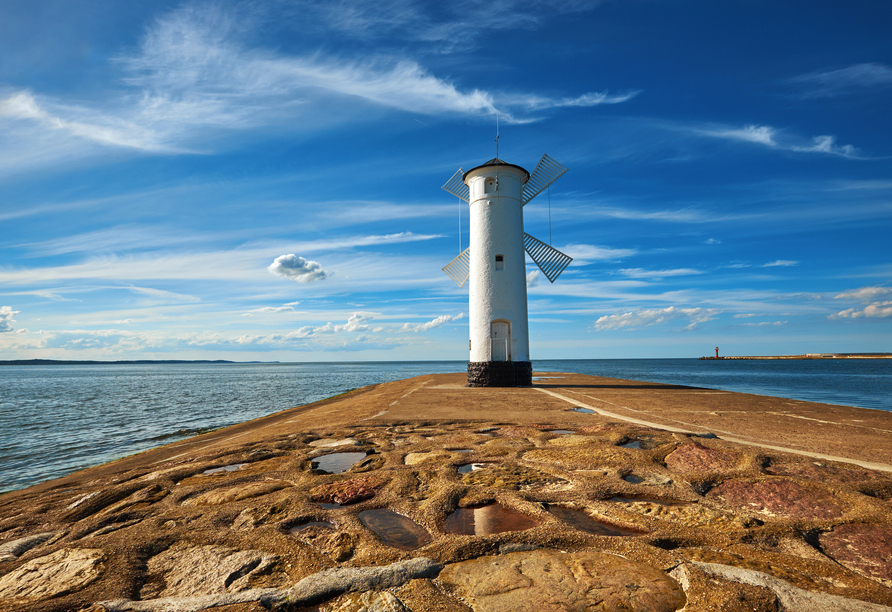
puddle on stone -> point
(226, 468)
(460, 450)
(327, 506)
(632, 444)
(470, 467)
(302, 526)
(633, 479)
(583, 522)
(562, 432)
(648, 500)
(395, 529)
(487, 520)
(336, 463)
(583, 410)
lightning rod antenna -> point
(497, 135)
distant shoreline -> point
(806, 356)
(52, 362)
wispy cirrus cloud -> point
(646, 317)
(854, 79)
(423, 327)
(583, 254)
(863, 294)
(781, 140)
(658, 274)
(783, 263)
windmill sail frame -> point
(551, 261)
(547, 171)
(459, 269)
(457, 187)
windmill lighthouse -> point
(494, 264)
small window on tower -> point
(491, 185)
(500, 262)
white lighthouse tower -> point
(494, 264)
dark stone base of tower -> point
(500, 374)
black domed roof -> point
(495, 161)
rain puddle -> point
(583, 410)
(633, 479)
(226, 468)
(583, 522)
(487, 520)
(632, 444)
(395, 529)
(562, 432)
(327, 506)
(490, 431)
(470, 467)
(302, 526)
(336, 463)
(460, 450)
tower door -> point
(501, 341)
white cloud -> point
(297, 269)
(647, 317)
(657, 274)
(875, 310)
(827, 144)
(784, 263)
(422, 327)
(6, 318)
(533, 279)
(712, 241)
(273, 309)
(850, 80)
(763, 324)
(583, 254)
(761, 134)
(771, 137)
(164, 296)
(535, 102)
(864, 294)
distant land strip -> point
(52, 362)
(808, 356)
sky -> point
(261, 180)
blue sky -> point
(261, 180)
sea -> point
(57, 419)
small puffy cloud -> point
(781, 263)
(827, 144)
(533, 279)
(657, 274)
(6, 318)
(647, 317)
(864, 294)
(877, 310)
(297, 268)
(422, 327)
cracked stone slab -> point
(866, 549)
(55, 574)
(545, 581)
(789, 597)
(217, 497)
(696, 458)
(10, 551)
(779, 497)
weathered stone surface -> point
(543, 580)
(143, 497)
(250, 518)
(696, 458)
(508, 475)
(419, 458)
(500, 374)
(346, 491)
(779, 497)
(339, 545)
(55, 574)
(330, 442)
(816, 470)
(372, 601)
(185, 570)
(331, 583)
(237, 493)
(689, 515)
(579, 456)
(10, 551)
(789, 597)
(866, 549)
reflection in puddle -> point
(226, 468)
(633, 479)
(336, 463)
(582, 521)
(562, 432)
(632, 444)
(583, 410)
(487, 520)
(395, 529)
(310, 524)
(470, 467)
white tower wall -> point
(498, 290)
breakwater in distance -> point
(805, 356)
(62, 418)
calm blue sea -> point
(58, 419)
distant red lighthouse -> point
(716, 352)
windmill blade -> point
(460, 268)
(456, 186)
(551, 261)
(547, 171)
